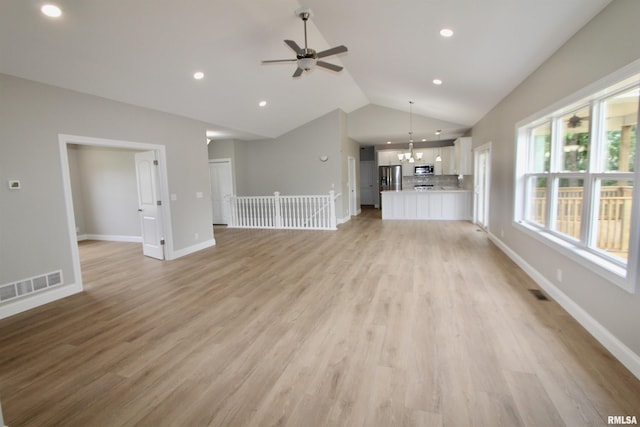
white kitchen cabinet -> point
(388, 157)
(407, 168)
(448, 161)
(462, 149)
(427, 205)
(428, 155)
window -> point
(576, 178)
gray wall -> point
(104, 186)
(349, 148)
(607, 43)
(290, 163)
(34, 236)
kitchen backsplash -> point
(409, 182)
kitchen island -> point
(439, 203)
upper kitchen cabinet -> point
(428, 155)
(407, 168)
(446, 165)
(448, 160)
(388, 157)
(462, 150)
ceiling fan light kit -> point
(307, 58)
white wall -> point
(105, 196)
(607, 43)
(34, 235)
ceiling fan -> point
(308, 58)
(575, 121)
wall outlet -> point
(502, 232)
(559, 275)
(196, 236)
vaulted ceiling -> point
(145, 52)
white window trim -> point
(624, 277)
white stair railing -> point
(284, 212)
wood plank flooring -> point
(378, 324)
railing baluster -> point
(312, 212)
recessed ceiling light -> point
(262, 103)
(199, 75)
(51, 10)
(388, 142)
(424, 139)
(438, 132)
(437, 82)
(446, 32)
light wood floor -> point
(377, 324)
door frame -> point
(487, 179)
(233, 181)
(163, 186)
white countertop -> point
(436, 189)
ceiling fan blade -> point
(293, 45)
(278, 60)
(332, 51)
(298, 72)
(329, 66)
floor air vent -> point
(29, 286)
(538, 294)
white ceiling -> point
(144, 52)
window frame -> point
(584, 249)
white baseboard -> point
(620, 351)
(35, 300)
(191, 249)
(110, 238)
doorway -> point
(368, 186)
(482, 163)
(221, 176)
(160, 230)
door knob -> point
(139, 210)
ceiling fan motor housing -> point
(307, 59)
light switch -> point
(199, 195)
(14, 184)
(174, 197)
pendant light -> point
(439, 157)
(410, 156)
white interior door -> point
(353, 196)
(148, 204)
(221, 188)
(482, 158)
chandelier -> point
(410, 156)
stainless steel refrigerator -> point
(390, 179)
